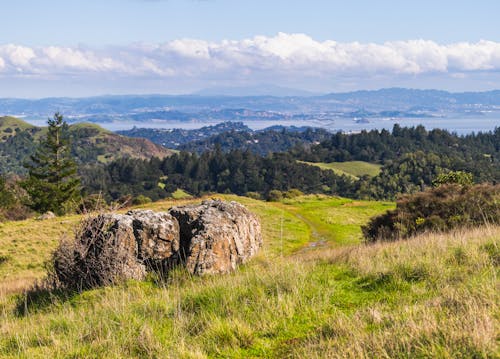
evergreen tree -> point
(52, 183)
(7, 198)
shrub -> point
(94, 258)
(253, 195)
(16, 212)
(380, 227)
(274, 196)
(292, 193)
(92, 203)
(141, 199)
(458, 177)
(11, 201)
(438, 209)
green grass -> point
(87, 125)
(27, 245)
(430, 296)
(9, 125)
(354, 169)
(181, 194)
(335, 220)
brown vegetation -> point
(438, 209)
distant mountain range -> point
(90, 144)
(394, 102)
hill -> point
(10, 126)
(90, 144)
(173, 138)
(202, 107)
(313, 291)
(262, 142)
(355, 169)
(233, 135)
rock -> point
(113, 247)
(216, 236)
(46, 215)
(157, 237)
(213, 237)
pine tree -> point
(52, 183)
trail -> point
(316, 238)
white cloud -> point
(282, 56)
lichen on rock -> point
(214, 237)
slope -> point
(10, 126)
(354, 169)
(90, 144)
(430, 296)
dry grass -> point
(26, 245)
(433, 296)
(454, 307)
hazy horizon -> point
(91, 48)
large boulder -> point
(216, 236)
(213, 237)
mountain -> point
(90, 144)
(212, 107)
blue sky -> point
(90, 47)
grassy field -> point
(354, 169)
(9, 126)
(312, 292)
(180, 194)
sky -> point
(92, 47)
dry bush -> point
(94, 258)
(438, 209)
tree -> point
(459, 177)
(52, 183)
(7, 198)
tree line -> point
(412, 159)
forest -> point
(410, 159)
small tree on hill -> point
(52, 183)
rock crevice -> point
(209, 238)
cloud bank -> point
(294, 56)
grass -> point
(88, 125)
(9, 125)
(180, 194)
(335, 220)
(354, 169)
(429, 296)
(26, 245)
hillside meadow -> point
(313, 291)
(353, 169)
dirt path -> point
(316, 238)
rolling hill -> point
(312, 292)
(90, 144)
